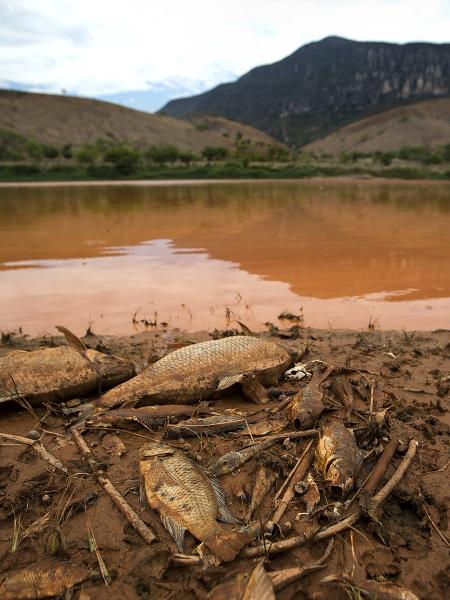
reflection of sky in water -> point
(186, 288)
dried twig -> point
(39, 448)
(132, 517)
(292, 435)
(436, 528)
(327, 532)
(296, 475)
(370, 484)
(281, 579)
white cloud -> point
(98, 47)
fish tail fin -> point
(227, 544)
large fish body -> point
(187, 498)
(197, 371)
(53, 374)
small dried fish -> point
(53, 374)
(40, 580)
(306, 406)
(233, 460)
(147, 416)
(338, 457)
(198, 371)
(264, 480)
(188, 498)
(214, 424)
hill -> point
(325, 85)
(424, 123)
(59, 120)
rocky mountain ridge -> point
(325, 85)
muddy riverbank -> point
(49, 515)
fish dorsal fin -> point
(224, 514)
(245, 330)
(229, 380)
(175, 530)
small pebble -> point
(287, 527)
(33, 434)
(46, 499)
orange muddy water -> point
(341, 253)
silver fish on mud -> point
(232, 460)
(187, 498)
(338, 457)
(198, 371)
(54, 374)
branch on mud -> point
(39, 448)
(132, 517)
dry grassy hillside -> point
(421, 124)
(59, 120)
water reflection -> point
(344, 252)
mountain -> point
(425, 123)
(59, 120)
(325, 85)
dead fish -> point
(306, 406)
(40, 580)
(198, 371)
(214, 424)
(147, 416)
(53, 374)
(235, 459)
(338, 457)
(188, 498)
(264, 480)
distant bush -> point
(163, 154)
(126, 160)
(214, 153)
(445, 153)
(67, 151)
(50, 151)
(187, 157)
(385, 158)
(87, 155)
(35, 149)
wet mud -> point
(49, 517)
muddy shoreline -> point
(360, 179)
(405, 547)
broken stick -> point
(132, 517)
(294, 477)
(331, 530)
(39, 448)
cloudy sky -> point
(144, 52)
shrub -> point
(214, 153)
(125, 159)
(87, 155)
(50, 151)
(66, 151)
(163, 154)
(35, 149)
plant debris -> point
(106, 504)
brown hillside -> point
(59, 120)
(421, 124)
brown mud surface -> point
(43, 511)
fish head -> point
(153, 449)
(341, 476)
(229, 462)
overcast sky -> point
(142, 52)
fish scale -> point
(196, 372)
(187, 498)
